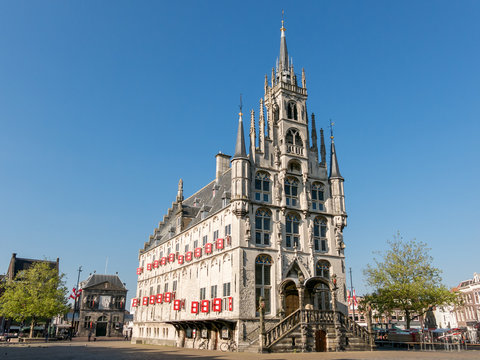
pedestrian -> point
(89, 335)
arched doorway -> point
(101, 326)
(318, 294)
(291, 298)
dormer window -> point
(292, 112)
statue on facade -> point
(276, 151)
(278, 189)
(247, 229)
(310, 234)
(278, 230)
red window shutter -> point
(167, 297)
(198, 252)
(208, 248)
(156, 264)
(145, 300)
(180, 259)
(220, 244)
(176, 305)
(188, 256)
(152, 299)
(217, 304)
(159, 298)
(163, 261)
(171, 257)
(139, 270)
(134, 302)
(149, 266)
(230, 303)
(194, 307)
(205, 306)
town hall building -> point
(254, 261)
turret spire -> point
(314, 136)
(323, 152)
(240, 151)
(283, 59)
(180, 191)
(334, 170)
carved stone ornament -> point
(247, 229)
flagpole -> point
(351, 294)
(75, 303)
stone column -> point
(181, 338)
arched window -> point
(320, 234)
(263, 283)
(292, 230)
(293, 137)
(323, 269)
(263, 226)
(262, 187)
(317, 197)
(322, 297)
(292, 112)
(294, 142)
(291, 191)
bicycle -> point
(229, 346)
(202, 345)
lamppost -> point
(75, 301)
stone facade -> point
(102, 306)
(269, 225)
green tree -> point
(405, 279)
(36, 293)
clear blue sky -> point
(104, 105)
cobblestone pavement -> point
(122, 350)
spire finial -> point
(283, 21)
(331, 129)
(240, 106)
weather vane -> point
(240, 106)
(283, 20)
(331, 128)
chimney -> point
(223, 163)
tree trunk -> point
(407, 318)
(31, 328)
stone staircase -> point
(296, 333)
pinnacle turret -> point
(240, 151)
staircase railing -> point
(285, 326)
(357, 330)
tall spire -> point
(261, 128)
(283, 59)
(323, 152)
(334, 170)
(314, 136)
(240, 151)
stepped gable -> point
(191, 209)
(96, 279)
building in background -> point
(468, 314)
(16, 265)
(102, 306)
(269, 225)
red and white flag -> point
(75, 293)
(355, 302)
